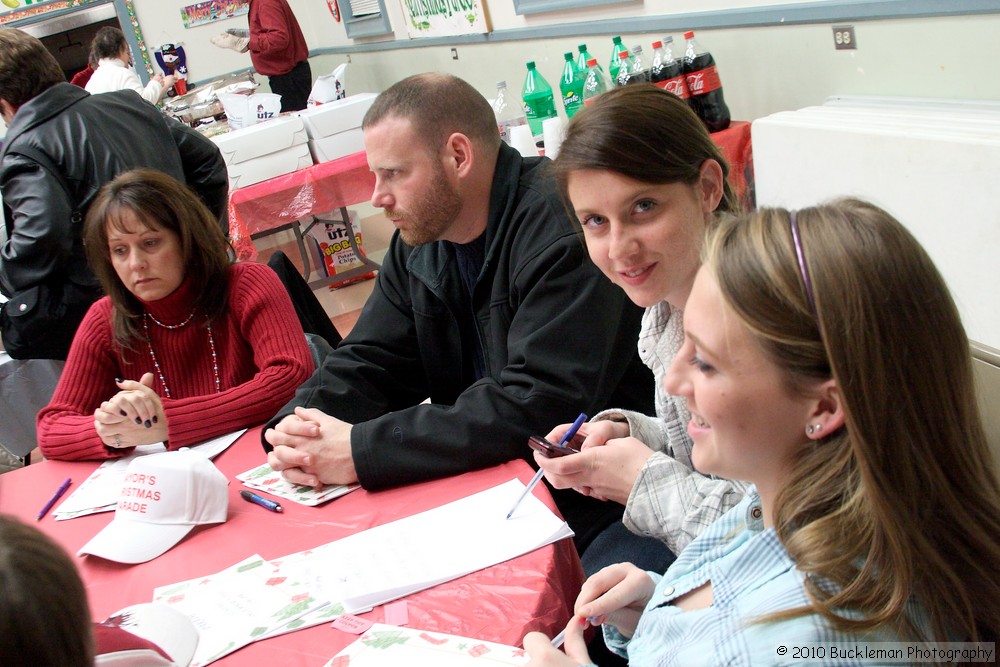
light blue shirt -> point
(752, 575)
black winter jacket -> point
(88, 139)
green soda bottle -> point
(616, 61)
(581, 60)
(539, 103)
(571, 86)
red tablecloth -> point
(738, 151)
(501, 603)
(282, 200)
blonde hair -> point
(901, 504)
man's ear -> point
(459, 155)
(7, 111)
(828, 413)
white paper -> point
(264, 478)
(439, 545)
(99, 492)
(239, 605)
(256, 599)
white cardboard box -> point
(268, 166)
(260, 139)
(337, 116)
(338, 145)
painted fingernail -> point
(138, 421)
(124, 414)
(118, 379)
(156, 419)
(148, 424)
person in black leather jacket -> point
(62, 145)
(486, 304)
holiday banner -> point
(440, 18)
(213, 10)
(15, 10)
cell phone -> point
(551, 450)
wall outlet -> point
(843, 37)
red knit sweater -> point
(262, 356)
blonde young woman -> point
(825, 362)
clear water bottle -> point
(539, 103)
(596, 83)
(509, 114)
(571, 86)
(615, 64)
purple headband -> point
(802, 261)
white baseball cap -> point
(163, 497)
(151, 634)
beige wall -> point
(763, 69)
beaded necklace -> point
(156, 364)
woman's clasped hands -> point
(614, 596)
(133, 416)
(607, 465)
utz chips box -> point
(331, 249)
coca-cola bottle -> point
(705, 86)
(639, 72)
(667, 70)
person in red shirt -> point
(83, 76)
(187, 346)
(277, 50)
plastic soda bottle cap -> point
(623, 53)
(501, 84)
(591, 62)
(657, 45)
(582, 47)
(668, 40)
(689, 34)
(568, 56)
(617, 39)
(531, 64)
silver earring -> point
(813, 428)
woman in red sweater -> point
(186, 347)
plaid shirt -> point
(751, 575)
(670, 501)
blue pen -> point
(252, 497)
(567, 436)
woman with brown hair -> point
(186, 346)
(646, 181)
(111, 59)
(825, 362)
